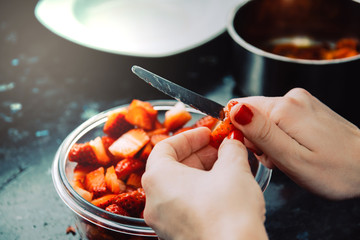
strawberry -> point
(229, 106)
(107, 141)
(176, 117)
(145, 152)
(184, 129)
(128, 165)
(237, 135)
(79, 188)
(116, 123)
(80, 172)
(207, 121)
(157, 138)
(82, 153)
(129, 143)
(158, 131)
(221, 131)
(133, 202)
(139, 117)
(114, 208)
(134, 180)
(114, 184)
(104, 201)
(147, 106)
(100, 151)
(158, 124)
(95, 181)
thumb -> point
(232, 157)
(260, 130)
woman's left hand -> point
(194, 192)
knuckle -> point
(264, 134)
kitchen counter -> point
(48, 86)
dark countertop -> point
(48, 86)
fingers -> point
(252, 118)
(182, 146)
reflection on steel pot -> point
(255, 25)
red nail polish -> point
(244, 115)
(237, 135)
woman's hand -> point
(305, 139)
(190, 196)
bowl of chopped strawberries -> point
(97, 169)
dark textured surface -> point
(48, 86)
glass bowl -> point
(93, 222)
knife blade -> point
(180, 93)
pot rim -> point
(240, 41)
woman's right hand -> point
(305, 139)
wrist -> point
(238, 228)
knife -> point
(180, 93)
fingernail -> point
(237, 135)
(244, 115)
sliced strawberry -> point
(133, 202)
(237, 135)
(82, 153)
(139, 117)
(114, 208)
(158, 124)
(221, 131)
(145, 152)
(158, 131)
(95, 181)
(207, 121)
(184, 129)
(107, 142)
(127, 166)
(134, 180)
(104, 201)
(100, 151)
(129, 143)
(80, 172)
(176, 117)
(229, 106)
(147, 106)
(116, 123)
(79, 188)
(158, 138)
(114, 184)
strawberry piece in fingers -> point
(207, 121)
(221, 131)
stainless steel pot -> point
(256, 23)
